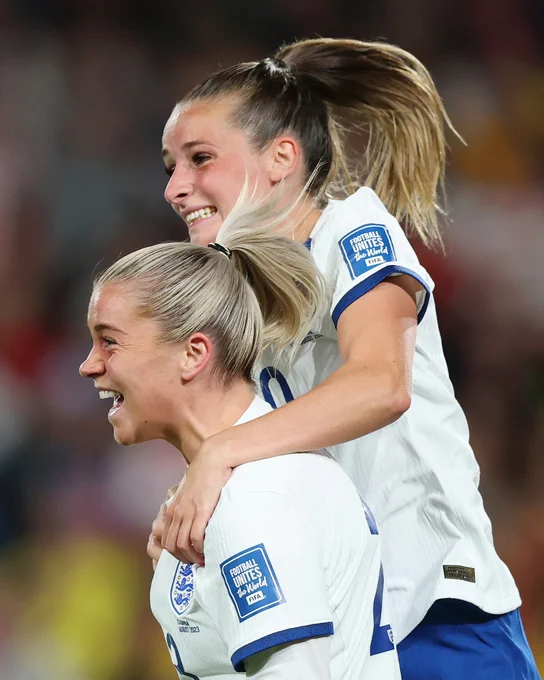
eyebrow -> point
(187, 146)
(107, 327)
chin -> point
(206, 232)
(124, 438)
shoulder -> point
(364, 200)
(355, 223)
(282, 473)
(363, 204)
(358, 244)
(306, 481)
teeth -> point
(108, 394)
(203, 213)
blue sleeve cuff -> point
(279, 638)
(371, 282)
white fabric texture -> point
(297, 661)
(290, 556)
(418, 475)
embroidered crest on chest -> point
(182, 589)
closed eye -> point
(108, 342)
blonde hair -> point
(266, 292)
(310, 87)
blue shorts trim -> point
(458, 641)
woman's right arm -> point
(369, 391)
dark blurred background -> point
(85, 88)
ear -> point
(284, 158)
(196, 354)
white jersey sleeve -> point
(264, 578)
(369, 247)
(294, 661)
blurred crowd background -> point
(85, 88)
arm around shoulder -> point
(376, 338)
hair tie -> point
(221, 249)
(276, 64)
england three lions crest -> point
(181, 592)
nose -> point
(92, 366)
(179, 187)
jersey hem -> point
(371, 282)
(489, 605)
(279, 638)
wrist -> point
(218, 450)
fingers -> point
(184, 521)
(157, 527)
(172, 491)
(198, 530)
(185, 547)
(167, 520)
(154, 549)
(166, 512)
(177, 539)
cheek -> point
(158, 389)
(229, 177)
(227, 186)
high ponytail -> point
(289, 288)
(390, 95)
(259, 288)
(313, 88)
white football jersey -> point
(418, 475)
(291, 553)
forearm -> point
(348, 405)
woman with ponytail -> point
(176, 331)
(369, 381)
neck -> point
(207, 411)
(304, 216)
(306, 224)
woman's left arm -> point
(372, 388)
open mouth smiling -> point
(201, 214)
(117, 397)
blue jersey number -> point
(176, 659)
(270, 373)
(382, 637)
